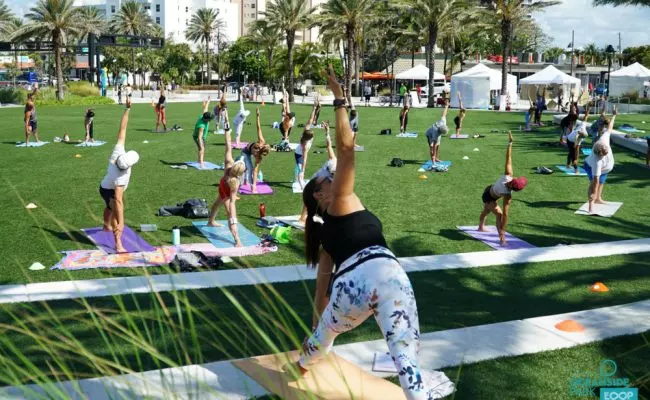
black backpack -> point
(397, 162)
(385, 132)
(193, 261)
(195, 208)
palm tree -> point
(132, 19)
(94, 21)
(435, 16)
(347, 17)
(617, 3)
(55, 20)
(509, 13)
(265, 37)
(289, 16)
(202, 28)
(6, 19)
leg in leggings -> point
(375, 288)
(571, 157)
(238, 129)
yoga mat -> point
(333, 378)
(240, 146)
(32, 144)
(407, 135)
(629, 129)
(89, 259)
(106, 241)
(222, 238)
(606, 210)
(491, 238)
(211, 251)
(454, 136)
(297, 188)
(90, 144)
(359, 148)
(292, 220)
(208, 166)
(586, 152)
(571, 171)
(220, 132)
(263, 188)
(428, 165)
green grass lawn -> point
(419, 217)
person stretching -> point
(600, 163)
(258, 150)
(503, 187)
(228, 187)
(31, 124)
(574, 140)
(114, 184)
(404, 118)
(540, 105)
(161, 111)
(435, 132)
(317, 115)
(647, 156)
(288, 118)
(367, 281)
(529, 115)
(201, 130)
(221, 111)
(89, 122)
(458, 120)
(301, 152)
(240, 119)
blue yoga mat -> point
(571, 171)
(407, 135)
(32, 144)
(221, 237)
(427, 165)
(208, 165)
(586, 152)
(90, 144)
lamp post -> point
(572, 44)
(610, 52)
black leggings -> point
(406, 121)
(572, 157)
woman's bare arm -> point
(260, 136)
(508, 170)
(228, 160)
(325, 268)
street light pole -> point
(573, 41)
(610, 52)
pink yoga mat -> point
(106, 241)
(262, 188)
(491, 238)
(240, 146)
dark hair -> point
(313, 230)
(90, 114)
(353, 113)
(207, 116)
(307, 135)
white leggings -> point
(381, 288)
(238, 129)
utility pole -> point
(573, 45)
(620, 49)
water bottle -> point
(176, 236)
(262, 210)
(260, 177)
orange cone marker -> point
(569, 325)
(599, 287)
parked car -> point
(601, 89)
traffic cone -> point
(599, 287)
(569, 325)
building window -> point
(252, 5)
(147, 7)
(157, 7)
(158, 20)
(187, 9)
(112, 9)
(186, 23)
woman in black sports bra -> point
(368, 280)
(161, 111)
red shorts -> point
(224, 189)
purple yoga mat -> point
(491, 238)
(106, 241)
(262, 188)
(240, 146)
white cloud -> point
(20, 7)
(599, 25)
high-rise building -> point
(175, 15)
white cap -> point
(246, 113)
(127, 160)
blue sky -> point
(600, 25)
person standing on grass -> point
(116, 181)
(435, 132)
(31, 123)
(503, 187)
(228, 187)
(161, 110)
(458, 120)
(404, 118)
(201, 130)
(600, 163)
(221, 111)
(240, 119)
(574, 140)
(301, 152)
(418, 88)
(257, 150)
(540, 106)
(358, 276)
(367, 92)
(89, 122)
(288, 118)
(402, 94)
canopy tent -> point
(375, 76)
(418, 73)
(476, 85)
(628, 79)
(549, 77)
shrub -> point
(11, 96)
(73, 100)
(633, 95)
(82, 88)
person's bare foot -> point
(600, 201)
(107, 229)
(238, 244)
(482, 229)
(215, 224)
(120, 249)
(202, 165)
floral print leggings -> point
(377, 287)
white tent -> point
(549, 76)
(628, 79)
(418, 73)
(476, 84)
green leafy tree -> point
(132, 19)
(640, 54)
(116, 60)
(266, 38)
(289, 16)
(593, 54)
(94, 22)
(553, 53)
(6, 19)
(244, 59)
(55, 20)
(617, 3)
(177, 62)
(203, 27)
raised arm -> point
(312, 116)
(241, 100)
(508, 170)
(460, 101)
(330, 151)
(228, 160)
(446, 109)
(287, 107)
(121, 135)
(610, 127)
(260, 136)
(206, 105)
(587, 109)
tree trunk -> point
(412, 58)
(291, 37)
(207, 59)
(431, 62)
(444, 67)
(58, 67)
(506, 30)
(357, 63)
(350, 57)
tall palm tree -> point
(509, 13)
(132, 19)
(435, 16)
(289, 16)
(94, 21)
(347, 17)
(266, 38)
(617, 3)
(55, 20)
(202, 28)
